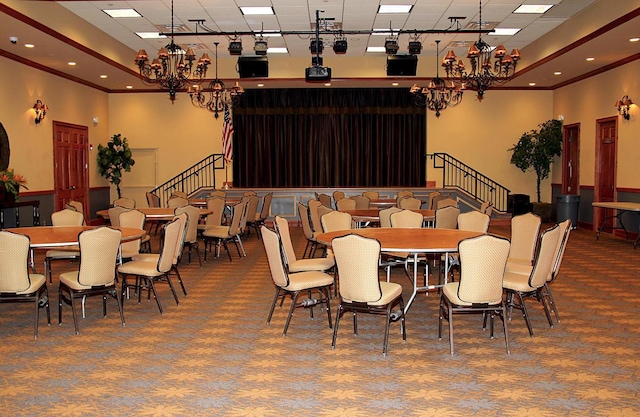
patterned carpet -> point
(213, 355)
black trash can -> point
(568, 208)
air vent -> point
(176, 28)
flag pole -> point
(226, 175)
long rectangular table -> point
(618, 208)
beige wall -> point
(31, 144)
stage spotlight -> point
(391, 46)
(260, 47)
(235, 47)
(415, 47)
(340, 46)
(316, 46)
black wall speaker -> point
(403, 65)
(253, 66)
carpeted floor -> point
(214, 355)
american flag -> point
(227, 135)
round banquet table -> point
(56, 236)
(385, 202)
(415, 241)
(155, 213)
(373, 215)
(202, 202)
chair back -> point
(433, 199)
(98, 256)
(446, 202)
(152, 200)
(252, 207)
(249, 193)
(409, 203)
(447, 217)
(176, 201)
(266, 206)
(236, 218)
(525, 229)
(74, 205)
(362, 202)
(251, 203)
(135, 219)
(482, 263)
(473, 221)
(218, 193)
(114, 215)
(171, 238)
(385, 215)
(335, 220)
(282, 228)
(325, 199)
(322, 210)
(359, 281)
(565, 230)
(546, 255)
(14, 261)
(315, 216)
(193, 215)
(303, 211)
(337, 196)
(271, 243)
(486, 208)
(371, 195)
(346, 204)
(125, 202)
(180, 194)
(405, 193)
(406, 218)
(183, 219)
(67, 217)
(216, 205)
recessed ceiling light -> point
(260, 85)
(532, 84)
(394, 84)
(251, 10)
(327, 84)
(122, 13)
(151, 35)
(103, 76)
(634, 39)
(591, 59)
(277, 51)
(533, 8)
(557, 73)
(130, 87)
(394, 8)
(505, 31)
(71, 63)
(29, 45)
(376, 49)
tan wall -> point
(593, 99)
(31, 144)
(479, 134)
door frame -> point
(85, 173)
(565, 160)
(599, 214)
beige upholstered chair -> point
(446, 202)
(565, 230)
(312, 243)
(114, 215)
(249, 193)
(292, 263)
(75, 205)
(218, 193)
(325, 199)
(525, 229)
(406, 218)
(337, 196)
(434, 197)
(322, 210)
(147, 273)
(486, 208)
(17, 285)
(405, 193)
(135, 219)
(447, 217)
(371, 195)
(66, 217)
(114, 219)
(183, 219)
(97, 272)
(336, 220)
(385, 215)
(473, 221)
(264, 211)
(409, 203)
(290, 283)
(531, 285)
(191, 236)
(152, 200)
(125, 202)
(346, 204)
(224, 234)
(362, 202)
(313, 206)
(178, 194)
(482, 263)
(251, 215)
(175, 202)
(361, 290)
(217, 206)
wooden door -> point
(606, 162)
(571, 160)
(71, 165)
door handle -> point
(73, 187)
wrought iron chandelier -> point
(484, 73)
(437, 96)
(218, 95)
(174, 68)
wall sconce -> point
(41, 110)
(623, 106)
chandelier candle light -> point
(218, 95)
(437, 96)
(174, 68)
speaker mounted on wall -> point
(402, 65)
(253, 66)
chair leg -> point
(552, 303)
(273, 305)
(506, 331)
(339, 314)
(175, 269)
(73, 311)
(294, 300)
(386, 331)
(525, 314)
(327, 294)
(155, 294)
(173, 290)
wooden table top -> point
(156, 213)
(618, 205)
(55, 236)
(374, 214)
(414, 240)
(386, 202)
(202, 202)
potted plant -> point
(535, 151)
(10, 184)
(113, 158)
